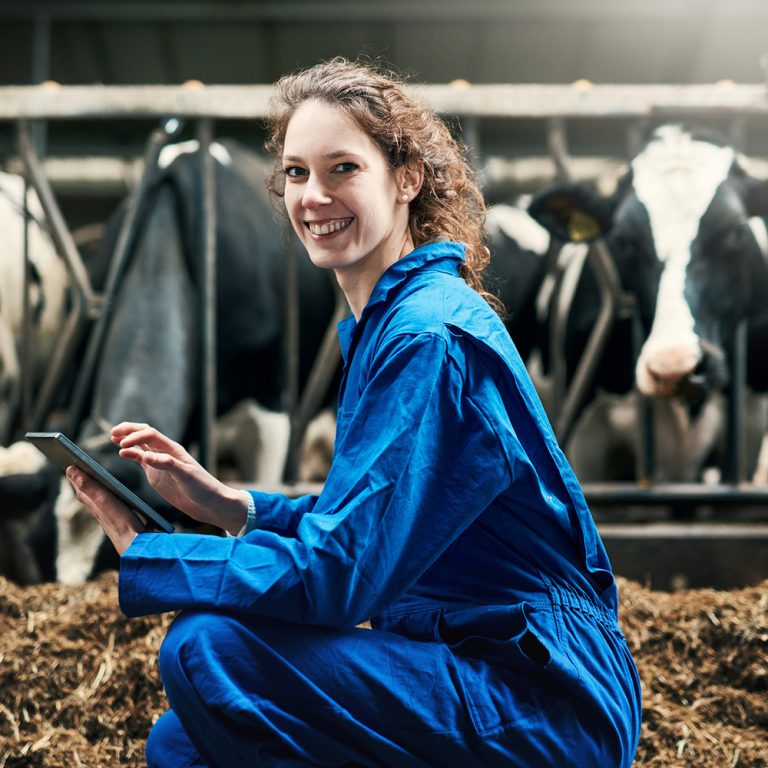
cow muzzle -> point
(672, 370)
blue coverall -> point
(451, 520)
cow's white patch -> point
(317, 447)
(675, 178)
(172, 151)
(10, 382)
(21, 458)
(760, 475)
(79, 537)
(517, 224)
(255, 440)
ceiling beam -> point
(579, 100)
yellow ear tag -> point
(582, 227)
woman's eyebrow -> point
(329, 156)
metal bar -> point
(621, 494)
(80, 174)
(646, 461)
(614, 494)
(207, 244)
(613, 301)
(320, 377)
(291, 360)
(100, 102)
(557, 143)
(25, 358)
(84, 302)
(41, 65)
(737, 363)
(470, 131)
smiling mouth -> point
(328, 227)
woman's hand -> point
(118, 522)
(179, 478)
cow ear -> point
(572, 213)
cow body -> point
(685, 232)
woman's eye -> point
(294, 172)
(345, 167)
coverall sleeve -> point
(417, 462)
(279, 513)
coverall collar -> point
(438, 256)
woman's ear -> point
(410, 177)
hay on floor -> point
(79, 684)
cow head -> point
(681, 228)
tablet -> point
(63, 452)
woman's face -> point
(344, 200)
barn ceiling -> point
(483, 41)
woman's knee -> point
(187, 637)
(202, 649)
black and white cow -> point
(148, 367)
(686, 233)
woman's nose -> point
(315, 193)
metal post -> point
(291, 347)
(320, 377)
(207, 246)
(734, 469)
(557, 143)
(41, 66)
(25, 357)
(470, 129)
(613, 303)
(646, 440)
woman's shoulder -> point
(440, 305)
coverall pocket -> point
(503, 665)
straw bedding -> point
(79, 684)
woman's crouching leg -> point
(257, 692)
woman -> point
(450, 519)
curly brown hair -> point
(449, 203)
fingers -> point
(132, 434)
(146, 457)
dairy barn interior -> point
(540, 90)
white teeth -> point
(331, 226)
